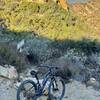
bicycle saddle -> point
(33, 72)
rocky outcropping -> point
(8, 72)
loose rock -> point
(9, 72)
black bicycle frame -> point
(45, 79)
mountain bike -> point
(30, 90)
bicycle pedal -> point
(55, 89)
(45, 92)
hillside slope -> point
(90, 14)
(46, 19)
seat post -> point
(37, 79)
(34, 74)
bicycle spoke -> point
(26, 91)
(56, 89)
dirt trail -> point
(74, 91)
(78, 91)
(7, 90)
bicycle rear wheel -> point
(26, 90)
(57, 89)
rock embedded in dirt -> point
(93, 83)
(8, 72)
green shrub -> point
(87, 46)
(9, 56)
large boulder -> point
(8, 72)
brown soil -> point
(90, 14)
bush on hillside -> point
(10, 56)
(87, 46)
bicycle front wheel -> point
(26, 91)
(57, 89)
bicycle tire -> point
(51, 87)
(21, 87)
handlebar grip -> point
(56, 68)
